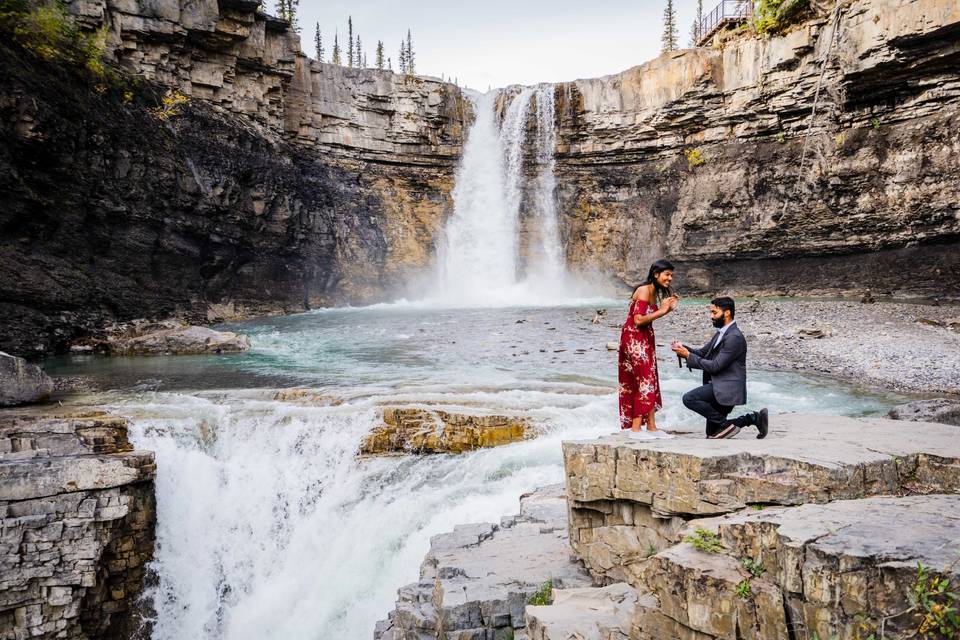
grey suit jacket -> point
(724, 366)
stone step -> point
(598, 613)
(477, 580)
(841, 570)
(631, 498)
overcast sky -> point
(500, 42)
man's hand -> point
(679, 349)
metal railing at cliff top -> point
(727, 12)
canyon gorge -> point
(214, 174)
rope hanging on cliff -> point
(816, 95)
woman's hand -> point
(671, 303)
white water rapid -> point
(479, 254)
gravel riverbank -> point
(897, 346)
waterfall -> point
(547, 261)
(478, 254)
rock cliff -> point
(272, 183)
(77, 511)
(710, 157)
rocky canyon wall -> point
(267, 183)
(697, 156)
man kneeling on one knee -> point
(724, 363)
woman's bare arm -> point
(643, 293)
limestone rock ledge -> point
(22, 382)
(604, 613)
(477, 580)
(168, 337)
(411, 430)
(77, 515)
(839, 570)
(630, 499)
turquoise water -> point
(268, 523)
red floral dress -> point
(639, 381)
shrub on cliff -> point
(49, 32)
(773, 16)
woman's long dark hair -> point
(656, 269)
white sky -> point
(500, 42)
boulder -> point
(169, 337)
(22, 382)
(940, 410)
(414, 430)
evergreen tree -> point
(359, 53)
(335, 59)
(318, 44)
(287, 10)
(350, 57)
(403, 57)
(390, 65)
(411, 66)
(695, 28)
(669, 38)
(379, 55)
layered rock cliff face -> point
(77, 512)
(279, 184)
(697, 156)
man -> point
(724, 363)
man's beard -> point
(718, 322)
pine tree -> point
(335, 59)
(695, 28)
(669, 38)
(318, 44)
(403, 57)
(359, 53)
(287, 10)
(390, 65)
(411, 66)
(350, 57)
(379, 55)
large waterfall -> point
(479, 254)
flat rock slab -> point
(421, 430)
(599, 613)
(806, 458)
(631, 498)
(477, 580)
(834, 570)
(22, 382)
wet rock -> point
(477, 580)
(839, 570)
(604, 613)
(170, 337)
(77, 509)
(631, 498)
(22, 382)
(411, 430)
(940, 410)
(814, 332)
(306, 396)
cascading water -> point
(547, 259)
(479, 253)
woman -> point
(639, 381)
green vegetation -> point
(773, 16)
(705, 541)
(781, 139)
(170, 105)
(651, 551)
(935, 604)
(544, 594)
(48, 31)
(755, 568)
(875, 123)
(694, 158)
(744, 590)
